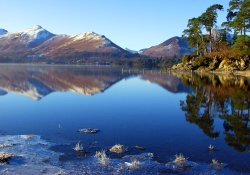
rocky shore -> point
(203, 63)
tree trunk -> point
(197, 49)
(211, 42)
(244, 27)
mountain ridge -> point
(37, 44)
(174, 47)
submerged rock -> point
(119, 149)
(139, 148)
(28, 156)
(27, 136)
(217, 165)
(5, 157)
(89, 130)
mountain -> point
(87, 44)
(38, 44)
(131, 51)
(3, 31)
(20, 44)
(172, 48)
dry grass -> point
(102, 157)
(135, 164)
(78, 147)
(180, 159)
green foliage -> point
(187, 58)
(194, 29)
(238, 16)
(209, 18)
(242, 45)
(194, 33)
(238, 20)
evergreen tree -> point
(194, 34)
(209, 20)
(238, 17)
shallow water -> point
(165, 113)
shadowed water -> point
(166, 113)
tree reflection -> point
(227, 98)
(198, 110)
(236, 123)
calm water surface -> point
(166, 114)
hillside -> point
(172, 48)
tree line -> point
(203, 34)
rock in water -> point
(5, 157)
(89, 131)
(117, 149)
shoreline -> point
(245, 73)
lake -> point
(43, 107)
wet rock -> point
(139, 148)
(27, 136)
(5, 157)
(89, 130)
(214, 64)
(119, 149)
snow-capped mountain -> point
(32, 36)
(37, 43)
(3, 31)
(172, 48)
(87, 44)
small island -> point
(225, 49)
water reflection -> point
(226, 97)
(208, 96)
(39, 81)
(142, 108)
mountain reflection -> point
(39, 81)
(225, 97)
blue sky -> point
(135, 24)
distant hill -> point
(172, 48)
(37, 44)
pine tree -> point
(194, 34)
(209, 20)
